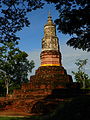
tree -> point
(13, 17)
(74, 20)
(81, 76)
(13, 61)
(14, 66)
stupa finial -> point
(49, 13)
(50, 18)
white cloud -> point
(69, 57)
(34, 55)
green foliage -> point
(14, 66)
(73, 19)
(13, 17)
(80, 75)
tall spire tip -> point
(49, 14)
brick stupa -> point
(49, 87)
(50, 76)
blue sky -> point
(31, 38)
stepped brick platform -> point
(50, 77)
(26, 106)
(36, 96)
(44, 81)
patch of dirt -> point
(14, 113)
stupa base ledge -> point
(50, 64)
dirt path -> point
(13, 114)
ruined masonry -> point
(50, 87)
(46, 87)
(51, 74)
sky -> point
(31, 39)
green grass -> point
(9, 118)
(21, 118)
(26, 118)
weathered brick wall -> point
(50, 58)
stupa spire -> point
(49, 21)
(49, 16)
(50, 39)
(50, 45)
(49, 13)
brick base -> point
(50, 77)
(50, 58)
(46, 79)
(33, 95)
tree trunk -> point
(84, 86)
(7, 85)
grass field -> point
(10, 118)
(22, 118)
